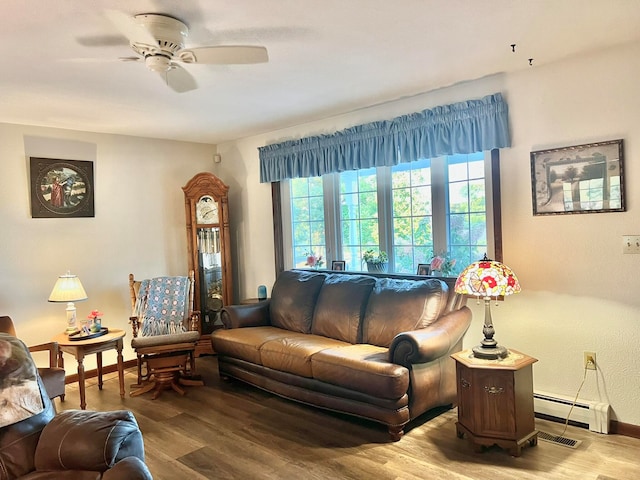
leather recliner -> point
(76, 444)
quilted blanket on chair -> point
(162, 305)
(19, 390)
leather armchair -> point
(75, 444)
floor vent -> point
(557, 439)
(593, 414)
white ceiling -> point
(326, 57)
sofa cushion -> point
(245, 343)
(341, 306)
(293, 353)
(293, 299)
(397, 306)
(364, 368)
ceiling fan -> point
(159, 41)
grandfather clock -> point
(209, 244)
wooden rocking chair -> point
(165, 333)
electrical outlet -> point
(590, 360)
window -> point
(412, 215)
(358, 215)
(307, 219)
(467, 212)
(411, 210)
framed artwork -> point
(580, 179)
(338, 265)
(61, 188)
(423, 269)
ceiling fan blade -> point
(178, 79)
(224, 55)
(102, 41)
(130, 28)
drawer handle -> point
(464, 383)
(494, 390)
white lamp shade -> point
(68, 289)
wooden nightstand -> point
(495, 401)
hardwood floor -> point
(229, 430)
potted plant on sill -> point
(376, 261)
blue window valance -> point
(464, 127)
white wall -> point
(139, 227)
(579, 291)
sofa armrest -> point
(252, 315)
(86, 440)
(432, 342)
(52, 348)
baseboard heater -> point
(593, 414)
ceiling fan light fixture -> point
(158, 63)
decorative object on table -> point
(96, 321)
(442, 265)
(262, 292)
(339, 265)
(61, 188)
(87, 334)
(423, 269)
(377, 261)
(488, 279)
(580, 179)
(68, 289)
(314, 260)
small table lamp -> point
(487, 278)
(68, 289)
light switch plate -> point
(631, 244)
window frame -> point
(281, 210)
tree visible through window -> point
(412, 211)
(412, 215)
(358, 215)
(307, 219)
(467, 209)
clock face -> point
(207, 210)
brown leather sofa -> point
(74, 444)
(370, 346)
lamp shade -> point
(68, 288)
(487, 278)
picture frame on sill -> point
(61, 188)
(339, 265)
(585, 178)
(423, 269)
